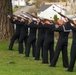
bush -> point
(55, 18)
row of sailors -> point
(44, 40)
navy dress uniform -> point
(31, 41)
(61, 45)
(16, 33)
(40, 40)
(73, 49)
(23, 36)
(48, 44)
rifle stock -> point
(25, 17)
(32, 15)
(65, 17)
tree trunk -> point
(6, 28)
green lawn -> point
(16, 8)
(12, 63)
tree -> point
(38, 3)
(6, 29)
(73, 5)
(32, 10)
(57, 0)
(27, 1)
(54, 0)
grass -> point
(12, 63)
(17, 8)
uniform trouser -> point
(30, 41)
(39, 46)
(22, 39)
(14, 37)
(60, 47)
(73, 57)
(47, 45)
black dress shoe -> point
(10, 49)
(36, 59)
(20, 53)
(26, 56)
(69, 70)
(65, 66)
(52, 66)
(44, 62)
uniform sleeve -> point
(72, 27)
(59, 29)
(32, 25)
(11, 19)
(47, 26)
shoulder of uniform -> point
(56, 26)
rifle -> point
(41, 19)
(65, 17)
(32, 15)
(25, 16)
(19, 17)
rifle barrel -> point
(65, 17)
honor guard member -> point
(23, 35)
(62, 44)
(31, 41)
(17, 32)
(48, 44)
(73, 47)
(40, 40)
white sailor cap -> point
(74, 19)
(34, 19)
